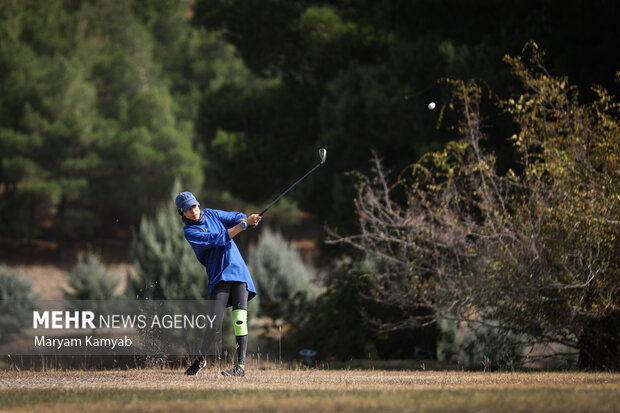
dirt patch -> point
(49, 281)
(37, 261)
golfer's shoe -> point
(196, 366)
(235, 371)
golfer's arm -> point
(234, 230)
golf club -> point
(322, 155)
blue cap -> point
(185, 200)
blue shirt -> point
(216, 251)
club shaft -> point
(289, 188)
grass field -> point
(275, 390)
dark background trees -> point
(358, 75)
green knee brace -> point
(240, 321)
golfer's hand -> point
(253, 219)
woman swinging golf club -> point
(210, 233)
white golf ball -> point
(431, 106)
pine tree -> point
(16, 302)
(89, 280)
(279, 273)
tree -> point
(533, 248)
(279, 273)
(17, 302)
(88, 133)
(89, 280)
(566, 216)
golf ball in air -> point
(431, 106)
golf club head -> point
(323, 154)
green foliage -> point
(17, 311)
(279, 273)
(166, 266)
(363, 108)
(82, 82)
(241, 126)
(265, 30)
(89, 280)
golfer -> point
(210, 233)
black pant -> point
(229, 293)
(235, 294)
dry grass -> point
(308, 390)
(274, 379)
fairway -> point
(309, 390)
